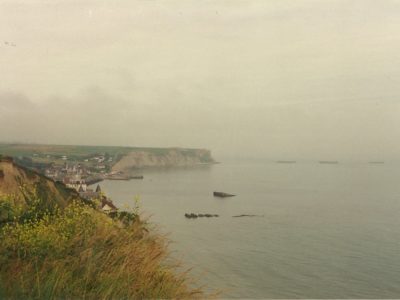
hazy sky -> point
(280, 79)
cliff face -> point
(174, 157)
(24, 185)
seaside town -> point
(78, 177)
(79, 174)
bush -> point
(81, 253)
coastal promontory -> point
(167, 157)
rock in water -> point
(222, 195)
(239, 216)
(194, 216)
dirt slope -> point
(23, 185)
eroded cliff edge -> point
(173, 157)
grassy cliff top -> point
(54, 247)
(80, 253)
(77, 150)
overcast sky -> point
(278, 79)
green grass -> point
(81, 253)
(38, 153)
(59, 150)
(75, 150)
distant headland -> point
(106, 160)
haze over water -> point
(255, 78)
(325, 231)
(311, 79)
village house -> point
(74, 176)
(105, 204)
(87, 193)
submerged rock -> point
(239, 216)
(191, 216)
(194, 216)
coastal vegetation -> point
(103, 161)
(42, 154)
(71, 250)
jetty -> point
(123, 177)
(93, 180)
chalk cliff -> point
(173, 157)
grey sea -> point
(322, 230)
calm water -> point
(327, 231)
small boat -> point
(137, 177)
(222, 195)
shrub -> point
(81, 253)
